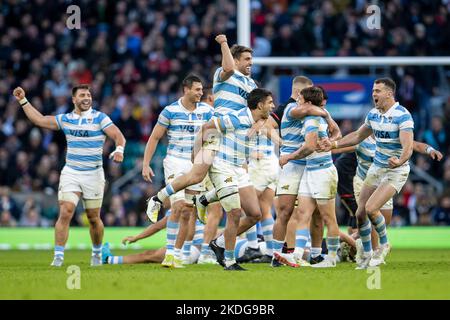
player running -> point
(181, 121)
(231, 86)
(392, 126)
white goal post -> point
(244, 31)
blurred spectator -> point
(135, 53)
(441, 214)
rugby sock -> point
(301, 238)
(59, 252)
(164, 193)
(221, 241)
(211, 196)
(277, 246)
(364, 232)
(172, 232)
(267, 230)
(187, 248)
(177, 253)
(316, 251)
(198, 236)
(115, 260)
(204, 249)
(229, 258)
(96, 250)
(252, 237)
(380, 227)
(332, 245)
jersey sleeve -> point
(59, 122)
(228, 122)
(164, 118)
(105, 121)
(367, 121)
(311, 124)
(217, 75)
(406, 123)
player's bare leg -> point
(284, 210)
(149, 256)
(96, 229)
(66, 212)
(250, 205)
(316, 228)
(327, 209)
(215, 214)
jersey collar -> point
(391, 109)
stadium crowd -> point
(134, 55)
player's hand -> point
(116, 157)
(324, 145)
(284, 159)
(19, 93)
(221, 38)
(394, 162)
(435, 155)
(128, 240)
(147, 173)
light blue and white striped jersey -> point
(291, 133)
(264, 147)
(386, 129)
(231, 94)
(182, 126)
(365, 152)
(85, 138)
(317, 160)
(235, 145)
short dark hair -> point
(206, 92)
(257, 95)
(237, 50)
(313, 95)
(325, 94)
(189, 80)
(388, 82)
(78, 87)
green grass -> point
(409, 274)
(42, 238)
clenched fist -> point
(19, 93)
(221, 38)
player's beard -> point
(82, 107)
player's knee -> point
(371, 209)
(94, 220)
(66, 211)
(234, 215)
(185, 214)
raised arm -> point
(114, 133)
(423, 148)
(158, 132)
(227, 58)
(47, 122)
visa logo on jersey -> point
(382, 134)
(79, 133)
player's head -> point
(208, 96)
(242, 58)
(261, 100)
(325, 97)
(313, 95)
(383, 93)
(298, 84)
(81, 97)
(192, 88)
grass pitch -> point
(409, 274)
